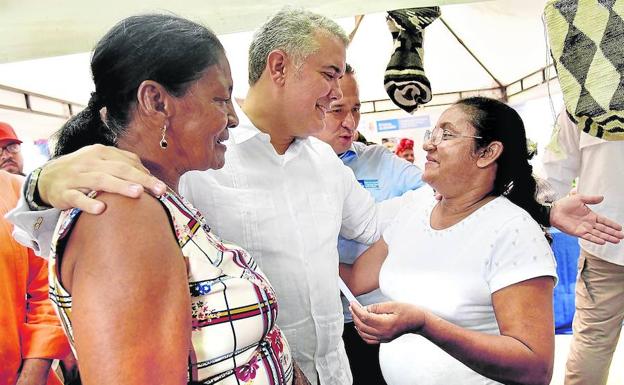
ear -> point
(276, 66)
(489, 154)
(154, 102)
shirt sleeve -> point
(41, 333)
(403, 175)
(520, 252)
(360, 221)
(33, 229)
(389, 230)
(562, 158)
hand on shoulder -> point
(64, 181)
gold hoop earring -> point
(163, 140)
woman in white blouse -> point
(471, 276)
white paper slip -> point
(346, 292)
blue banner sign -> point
(409, 123)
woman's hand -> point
(383, 322)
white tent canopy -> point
(507, 37)
(42, 28)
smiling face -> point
(201, 123)
(452, 163)
(343, 117)
(312, 85)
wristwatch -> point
(32, 194)
(546, 209)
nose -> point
(335, 93)
(231, 116)
(349, 121)
(428, 145)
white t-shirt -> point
(453, 273)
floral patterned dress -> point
(234, 336)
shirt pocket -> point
(238, 214)
(325, 215)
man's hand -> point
(383, 322)
(64, 181)
(572, 216)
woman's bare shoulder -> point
(129, 234)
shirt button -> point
(38, 223)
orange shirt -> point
(29, 328)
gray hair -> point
(291, 30)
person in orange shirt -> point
(30, 332)
(11, 159)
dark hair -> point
(167, 49)
(496, 121)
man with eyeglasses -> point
(11, 159)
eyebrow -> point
(448, 126)
(339, 103)
(336, 69)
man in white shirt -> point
(599, 165)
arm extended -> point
(363, 276)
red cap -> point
(404, 144)
(7, 134)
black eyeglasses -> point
(438, 135)
(12, 148)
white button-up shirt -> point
(287, 211)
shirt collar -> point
(245, 129)
(350, 155)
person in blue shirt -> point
(385, 176)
